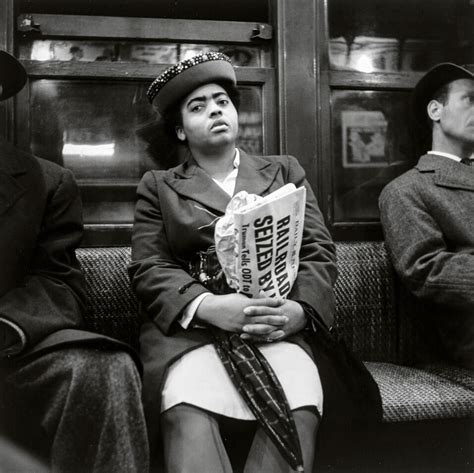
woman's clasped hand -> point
(258, 320)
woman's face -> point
(209, 119)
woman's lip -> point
(219, 126)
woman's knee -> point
(307, 422)
(186, 420)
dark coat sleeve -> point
(52, 294)
(317, 270)
(419, 250)
(160, 283)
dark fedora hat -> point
(430, 83)
(182, 78)
(12, 75)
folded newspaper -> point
(258, 241)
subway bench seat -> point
(428, 405)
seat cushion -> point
(457, 375)
(412, 394)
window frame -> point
(330, 80)
(152, 29)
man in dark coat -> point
(71, 396)
(428, 213)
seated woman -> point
(190, 388)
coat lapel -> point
(256, 175)
(10, 191)
(189, 180)
(448, 173)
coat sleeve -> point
(420, 253)
(317, 271)
(162, 286)
(52, 295)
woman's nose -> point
(215, 109)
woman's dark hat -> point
(430, 83)
(182, 78)
(12, 75)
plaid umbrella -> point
(259, 387)
(249, 370)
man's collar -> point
(445, 155)
(447, 172)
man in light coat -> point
(69, 395)
(428, 213)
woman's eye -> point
(196, 108)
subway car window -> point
(376, 52)
(97, 130)
(390, 35)
(89, 67)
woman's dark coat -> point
(174, 219)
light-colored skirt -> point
(200, 379)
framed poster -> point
(364, 135)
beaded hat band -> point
(182, 78)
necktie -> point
(468, 161)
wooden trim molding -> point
(374, 80)
(124, 70)
(163, 29)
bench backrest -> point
(365, 295)
(366, 314)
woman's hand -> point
(233, 312)
(257, 330)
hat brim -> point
(12, 75)
(430, 83)
(190, 79)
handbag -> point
(352, 398)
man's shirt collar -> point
(446, 155)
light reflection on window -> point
(83, 150)
(128, 51)
(365, 54)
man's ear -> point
(180, 133)
(434, 110)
